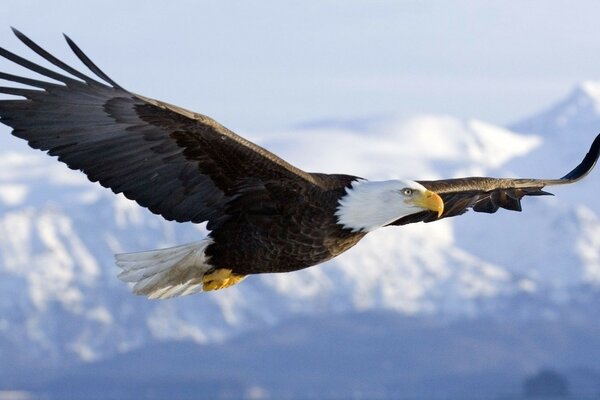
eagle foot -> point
(220, 278)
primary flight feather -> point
(264, 214)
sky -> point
(266, 65)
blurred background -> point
(482, 306)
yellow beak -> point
(430, 201)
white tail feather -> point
(166, 273)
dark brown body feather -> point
(264, 214)
(293, 228)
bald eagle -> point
(264, 215)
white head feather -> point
(370, 205)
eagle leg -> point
(220, 278)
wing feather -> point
(53, 60)
(488, 195)
(177, 163)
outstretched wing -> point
(179, 164)
(490, 194)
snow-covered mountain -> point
(60, 299)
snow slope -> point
(60, 299)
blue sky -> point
(266, 65)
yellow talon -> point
(220, 278)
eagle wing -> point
(179, 164)
(488, 195)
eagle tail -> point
(166, 273)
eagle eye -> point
(407, 192)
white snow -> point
(592, 90)
(588, 244)
(13, 195)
